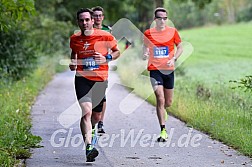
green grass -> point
(203, 96)
(223, 53)
(16, 100)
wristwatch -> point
(108, 57)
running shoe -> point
(163, 136)
(91, 153)
(100, 128)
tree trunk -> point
(230, 11)
(159, 3)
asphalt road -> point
(131, 126)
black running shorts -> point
(162, 77)
(91, 91)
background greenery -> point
(34, 36)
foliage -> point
(184, 13)
(144, 12)
(17, 56)
(14, 11)
(187, 13)
(138, 11)
(199, 3)
(23, 39)
(244, 83)
(50, 36)
(15, 102)
(53, 27)
(15, 136)
(245, 14)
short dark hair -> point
(98, 8)
(82, 10)
(159, 9)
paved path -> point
(130, 139)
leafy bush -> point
(11, 12)
(50, 36)
(17, 56)
(16, 100)
(245, 14)
(244, 83)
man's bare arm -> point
(73, 63)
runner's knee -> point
(168, 103)
(86, 116)
(96, 117)
(160, 101)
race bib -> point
(161, 52)
(89, 64)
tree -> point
(16, 55)
(138, 11)
(159, 3)
(233, 7)
(13, 11)
(200, 3)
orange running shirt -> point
(85, 47)
(161, 47)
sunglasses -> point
(161, 18)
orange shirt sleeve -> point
(145, 38)
(112, 43)
(177, 39)
(72, 41)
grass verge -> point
(16, 100)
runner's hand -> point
(145, 56)
(73, 65)
(171, 63)
(99, 58)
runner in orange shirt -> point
(90, 57)
(159, 45)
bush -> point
(16, 100)
(245, 14)
(17, 56)
(50, 36)
(20, 47)
(244, 84)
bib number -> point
(89, 64)
(161, 52)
